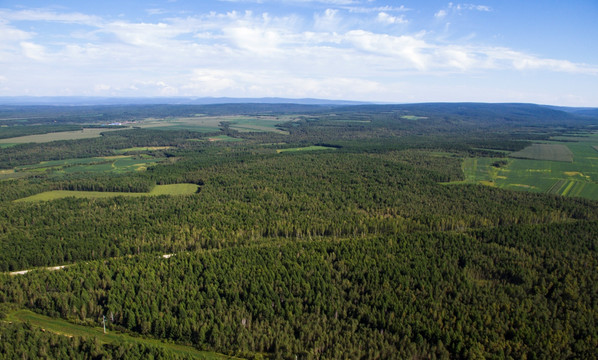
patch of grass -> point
(173, 189)
(213, 123)
(413, 117)
(86, 133)
(65, 328)
(307, 148)
(224, 138)
(552, 152)
(113, 164)
(141, 149)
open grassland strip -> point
(224, 138)
(115, 163)
(567, 188)
(65, 328)
(552, 152)
(470, 169)
(172, 189)
(307, 148)
(86, 133)
(143, 148)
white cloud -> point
(360, 9)
(247, 54)
(50, 16)
(329, 20)
(385, 18)
(33, 51)
(10, 34)
(440, 14)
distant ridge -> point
(92, 101)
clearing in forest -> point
(260, 123)
(86, 133)
(307, 148)
(104, 164)
(552, 152)
(172, 189)
(65, 328)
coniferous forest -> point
(348, 232)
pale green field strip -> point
(65, 135)
(65, 328)
(307, 148)
(552, 152)
(116, 164)
(173, 189)
(145, 148)
(413, 117)
(213, 123)
(224, 138)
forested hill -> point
(484, 113)
(475, 114)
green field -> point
(213, 123)
(552, 152)
(141, 149)
(86, 133)
(578, 177)
(65, 328)
(307, 148)
(173, 189)
(413, 117)
(106, 164)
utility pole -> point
(104, 321)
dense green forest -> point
(367, 248)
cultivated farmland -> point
(578, 177)
(86, 133)
(552, 152)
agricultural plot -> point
(578, 177)
(65, 328)
(172, 189)
(413, 117)
(111, 164)
(141, 149)
(86, 133)
(213, 123)
(552, 152)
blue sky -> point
(388, 51)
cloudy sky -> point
(373, 50)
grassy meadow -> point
(86, 133)
(213, 123)
(111, 164)
(552, 152)
(549, 171)
(306, 148)
(172, 189)
(65, 328)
